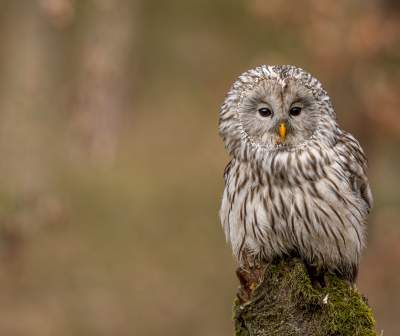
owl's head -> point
(275, 108)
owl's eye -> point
(295, 111)
(265, 112)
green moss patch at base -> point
(286, 303)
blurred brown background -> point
(111, 165)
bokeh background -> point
(111, 165)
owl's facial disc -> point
(276, 114)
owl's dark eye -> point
(295, 111)
(265, 112)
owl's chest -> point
(274, 201)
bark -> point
(279, 299)
(27, 143)
(103, 84)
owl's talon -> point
(253, 286)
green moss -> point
(347, 306)
(286, 303)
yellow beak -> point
(282, 131)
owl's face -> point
(279, 113)
(271, 108)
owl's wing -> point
(356, 164)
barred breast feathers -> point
(263, 210)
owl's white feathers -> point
(309, 196)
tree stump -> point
(279, 299)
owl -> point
(296, 183)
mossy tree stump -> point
(278, 299)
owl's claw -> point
(253, 286)
(249, 278)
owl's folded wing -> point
(356, 164)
